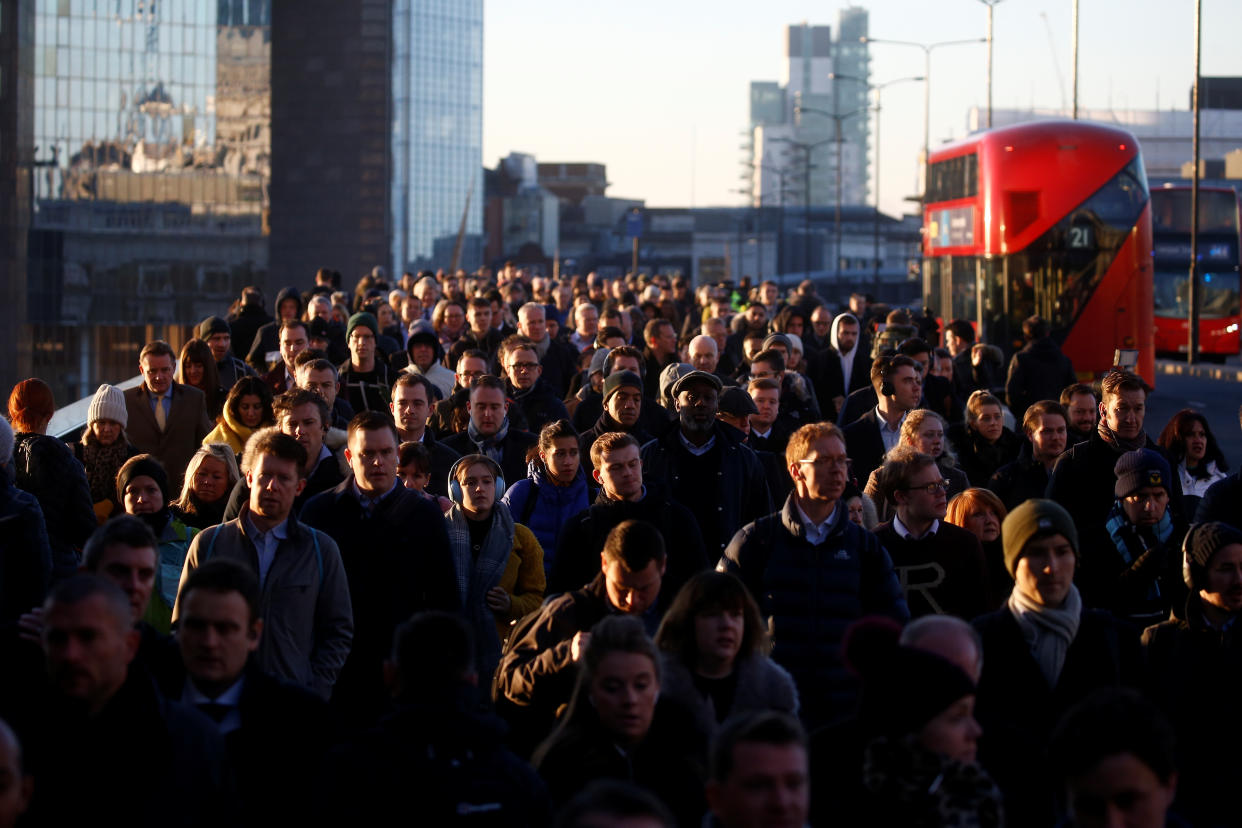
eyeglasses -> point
(524, 366)
(930, 488)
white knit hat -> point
(108, 404)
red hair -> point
(31, 405)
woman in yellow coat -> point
(247, 409)
(499, 563)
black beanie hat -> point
(1141, 468)
(137, 466)
(1202, 542)
(213, 325)
(903, 687)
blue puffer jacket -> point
(553, 506)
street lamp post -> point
(838, 118)
(875, 226)
(991, 4)
(806, 194)
(927, 50)
(780, 173)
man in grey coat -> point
(305, 601)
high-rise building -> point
(16, 150)
(149, 175)
(792, 159)
(376, 135)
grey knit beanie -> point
(108, 404)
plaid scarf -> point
(489, 446)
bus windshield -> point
(1172, 294)
(1170, 211)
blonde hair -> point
(221, 452)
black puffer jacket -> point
(1020, 480)
(48, 470)
(809, 594)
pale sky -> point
(658, 90)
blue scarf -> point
(489, 446)
(1123, 532)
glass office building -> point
(437, 132)
(151, 132)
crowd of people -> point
(503, 549)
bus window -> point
(1058, 273)
(965, 304)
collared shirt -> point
(579, 342)
(890, 436)
(265, 543)
(368, 502)
(697, 451)
(904, 531)
(230, 698)
(816, 533)
(164, 399)
(761, 434)
(324, 454)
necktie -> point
(161, 418)
(214, 710)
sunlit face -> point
(194, 372)
(620, 472)
(1146, 507)
(1120, 791)
(479, 318)
(984, 524)
(624, 362)
(953, 732)
(157, 372)
(665, 340)
(323, 383)
(1082, 413)
(1045, 570)
(454, 317)
(718, 636)
(908, 385)
(274, 485)
(303, 424)
(105, 432)
(372, 457)
(533, 323)
(362, 345)
(142, 496)
(587, 318)
(293, 341)
(930, 437)
(703, 354)
(487, 408)
(469, 369)
(768, 401)
(478, 488)
(1223, 588)
(211, 480)
(1123, 411)
(623, 692)
(855, 506)
(821, 322)
(632, 592)
(410, 407)
(1048, 436)
(1196, 443)
(847, 334)
(990, 423)
(250, 410)
(219, 343)
(823, 473)
(384, 316)
(624, 405)
(924, 499)
(562, 459)
(523, 368)
(412, 478)
(765, 370)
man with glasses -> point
(364, 376)
(940, 566)
(523, 372)
(814, 572)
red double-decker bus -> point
(1218, 270)
(1051, 218)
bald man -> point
(704, 355)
